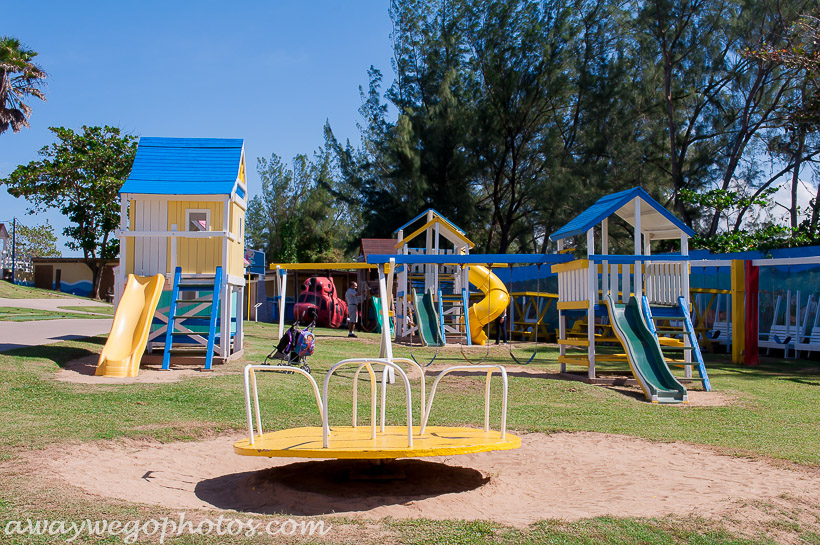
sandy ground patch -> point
(81, 371)
(566, 476)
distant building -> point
(72, 275)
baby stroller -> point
(294, 347)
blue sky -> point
(269, 72)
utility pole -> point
(13, 248)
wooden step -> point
(574, 342)
(574, 360)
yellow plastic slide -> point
(132, 324)
(488, 309)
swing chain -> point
(487, 325)
(535, 324)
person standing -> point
(501, 327)
(352, 300)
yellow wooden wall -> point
(198, 256)
(236, 249)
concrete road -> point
(52, 303)
(21, 334)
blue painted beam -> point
(474, 259)
(599, 258)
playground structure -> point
(407, 439)
(377, 440)
(320, 295)
(447, 284)
(430, 296)
(182, 215)
(644, 297)
(330, 291)
(386, 442)
(658, 286)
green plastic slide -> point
(377, 305)
(427, 319)
(644, 353)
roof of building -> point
(656, 221)
(449, 231)
(435, 214)
(54, 260)
(185, 166)
(4, 233)
(377, 246)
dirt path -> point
(565, 476)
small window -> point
(308, 298)
(198, 220)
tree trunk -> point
(96, 267)
(798, 159)
(815, 214)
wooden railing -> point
(663, 279)
(573, 281)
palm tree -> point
(19, 78)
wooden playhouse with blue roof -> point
(621, 297)
(183, 216)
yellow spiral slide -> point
(488, 309)
(123, 350)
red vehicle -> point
(319, 293)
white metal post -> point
(638, 263)
(240, 322)
(386, 342)
(282, 279)
(173, 252)
(122, 270)
(436, 267)
(605, 279)
(593, 300)
(225, 326)
(428, 250)
(562, 320)
(684, 282)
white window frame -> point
(188, 213)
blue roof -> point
(659, 219)
(185, 166)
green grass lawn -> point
(94, 309)
(13, 291)
(17, 314)
(774, 414)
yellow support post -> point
(738, 310)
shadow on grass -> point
(332, 486)
(60, 355)
(768, 368)
(803, 381)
